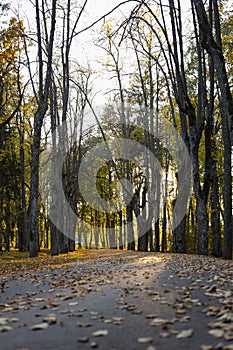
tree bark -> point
(214, 49)
(44, 87)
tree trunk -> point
(130, 230)
(24, 246)
(227, 246)
(121, 230)
(34, 188)
(201, 211)
(54, 239)
(215, 50)
(44, 87)
(215, 218)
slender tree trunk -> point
(44, 87)
(215, 50)
(130, 230)
(227, 246)
(142, 238)
(23, 215)
(215, 216)
(164, 229)
(141, 218)
(121, 230)
(34, 188)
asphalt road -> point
(132, 301)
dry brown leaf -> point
(180, 312)
(94, 345)
(151, 316)
(145, 340)
(84, 325)
(118, 319)
(50, 319)
(83, 340)
(228, 336)
(164, 334)
(217, 333)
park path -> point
(120, 300)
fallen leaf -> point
(184, 319)
(159, 322)
(145, 340)
(100, 333)
(83, 340)
(228, 317)
(217, 333)
(164, 335)
(118, 319)
(180, 312)
(108, 321)
(5, 329)
(84, 325)
(150, 293)
(94, 345)
(228, 336)
(4, 320)
(137, 312)
(39, 326)
(212, 289)
(50, 319)
(74, 303)
(185, 334)
(151, 316)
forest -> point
(147, 166)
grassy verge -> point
(15, 261)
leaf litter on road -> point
(134, 278)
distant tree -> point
(11, 96)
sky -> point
(83, 48)
(94, 10)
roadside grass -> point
(14, 260)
